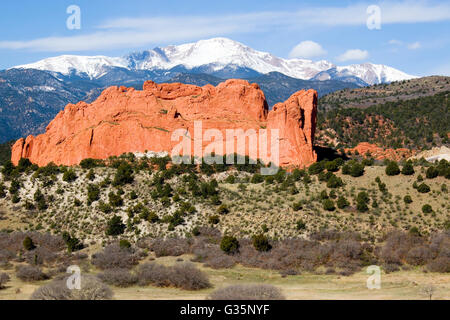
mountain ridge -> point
(215, 55)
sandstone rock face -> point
(127, 120)
(379, 153)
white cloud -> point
(395, 42)
(353, 54)
(414, 46)
(137, 32)
(307, 49)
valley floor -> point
(402, 285)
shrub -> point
(124, 175)
(223, 209)
(89, 163)
(105, 207)
(118, 277)
(2, 191)
(124, 244)
(77, 202)
(324, 195)
(172, 247)
(93, 193)
(297, 174)
(214, 219)
(414, 231)
(8, 168)
(316, 168)
(356, 170)
(185, 276)
(391, 267)
(69, 176)
(133, 195)
(367, 162)
(229, 245)
(392, 169)
(423, 188)
(427, 208)
(231, 179)
(342, 202)
(30, 273)
(152, 217)
(332, 166)
(115, 200)
(4, 278)
(113, 256)
(444, 188)
(153, 274)
(28, 244)
(408, 169)
(220, 261)
(440, 264)
(261, 243)
(115, 226)
(14, 187)
(91, 289)
(257, 178)
(418, 256)
(362, 201)
(301, 225)
(334, 182)
(432, 173)
(328, 205)
(24, 164)
(73, 244)
(247, 292)
(407, 199)
(297, 206)
(90, 175)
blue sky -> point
(414, 35)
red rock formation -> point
(379, 153)
(127, 120)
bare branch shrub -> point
(185, 276)
(170, 247)
(91, 289)
(248, 292)
(30, 273)
(118, 277)
(4, 278)
(113, 256)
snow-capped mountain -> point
(211, 56)
(93, 67)
(374, 73)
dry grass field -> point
(402, 285)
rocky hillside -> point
(29, 99)
(146, 197)
(419, 123)
(383, 93)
